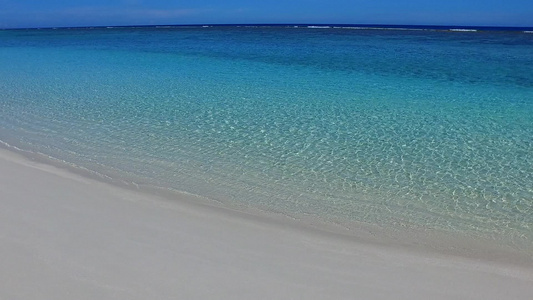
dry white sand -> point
(63, 236)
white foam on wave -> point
(354, 28)
(463, 30)
(380, 28)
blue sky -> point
(50, 13)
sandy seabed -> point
(65, 236)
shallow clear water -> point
(414, 128)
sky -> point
(61, 13)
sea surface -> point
(401, 127)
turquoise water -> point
(420, 129)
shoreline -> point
(455, 244)
(65, 234)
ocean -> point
(411, 127)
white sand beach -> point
(64, 236)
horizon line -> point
(346, 25)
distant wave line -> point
(463, 29)
(317, 26)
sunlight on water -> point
(423, 129)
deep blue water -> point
(430, 129)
